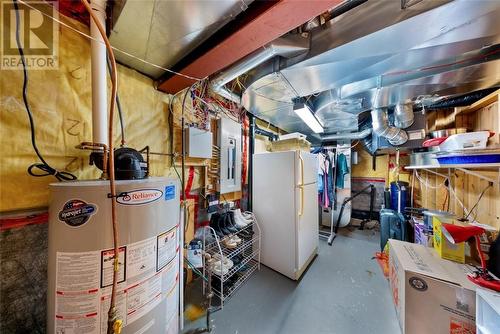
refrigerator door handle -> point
(301, 185)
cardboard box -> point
(431, 295)
(291, 144)
(445, 249)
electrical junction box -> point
(198, 143)
(230, 155)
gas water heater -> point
(81, 256)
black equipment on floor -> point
(494, 261)
(334, 230)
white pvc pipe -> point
(99, 76)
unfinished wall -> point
(431, 193)
(61, 104)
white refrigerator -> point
(285, 203)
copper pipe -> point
(97, 147)
(112, 321)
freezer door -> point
(274, 190)
(309, 170)
(307, 224)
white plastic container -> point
(487, 311)
(465, 141)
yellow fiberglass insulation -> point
(61, 104)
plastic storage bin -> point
(465, 141)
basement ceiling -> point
(162, 32)
(377, 55)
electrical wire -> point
(177, 172)
(478, 200)
(114, 324)
(424, 182)
(464, 209)
(195, 270)
(44, 167)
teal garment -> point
(341, 169)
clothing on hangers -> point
(326, 163)
(342, 170)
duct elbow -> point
(403, 115)
(226, 93)
(381, 128)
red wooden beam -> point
(265, 27)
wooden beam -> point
(274, 21)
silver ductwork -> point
(287, 47)
(347, 136)
(381, 128)
(345, 67)
(403, 115)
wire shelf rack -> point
(247, 253)
(253, 265)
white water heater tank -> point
(81, 256)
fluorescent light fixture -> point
(305, 113)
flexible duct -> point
(381, 128)
(403, 115)
(286, 47)
(348, 135)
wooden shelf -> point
(468, 166)
(484, 102)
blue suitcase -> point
(392, 226)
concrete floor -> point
(343, 291)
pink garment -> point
(326, 201)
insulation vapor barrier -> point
(61, 104)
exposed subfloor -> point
(343, 291)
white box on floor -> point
(487, 311)
(431, 295)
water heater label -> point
(107, 266)
(167, 243)
(77, 212)
(140, 196)
(77, 293)
(83, 290)
(169, 192)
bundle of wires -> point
(43, 166)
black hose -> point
(43, 166)
(463, 100)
